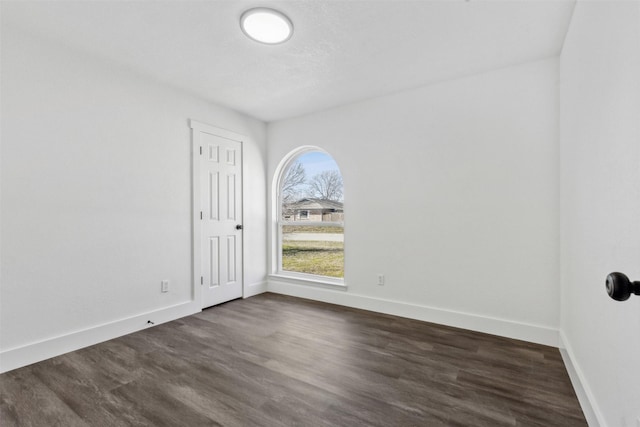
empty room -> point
(320, 213)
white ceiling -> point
(340, 52)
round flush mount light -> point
(266, 25)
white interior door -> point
(220, 182)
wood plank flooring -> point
(273, 360)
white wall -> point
(96, 197)
(451, 191)
(600, 209)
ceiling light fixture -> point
(266, 25)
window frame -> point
(279, 222)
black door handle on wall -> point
(620, 288)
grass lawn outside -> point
(314, 257)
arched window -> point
(310, 216)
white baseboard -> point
(583, 391)
(254, 289)
(506, 328)
(35, 352)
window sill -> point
(310, 280)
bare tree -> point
(293, 181)
(327, 185)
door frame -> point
(196, 201)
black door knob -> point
(238, 227)
(620, 288)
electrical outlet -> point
(164, 286)
(380, 279)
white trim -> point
(196, 289)
(203, 127)
(474, 322)
(309, 279)
(41, 350)
(580, 385)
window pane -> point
(311, 192)
(312, 189)
(313, 250)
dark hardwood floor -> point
(273, 360)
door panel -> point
(231, 197)
(212, 196)
(214, 262)
(220, 168)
